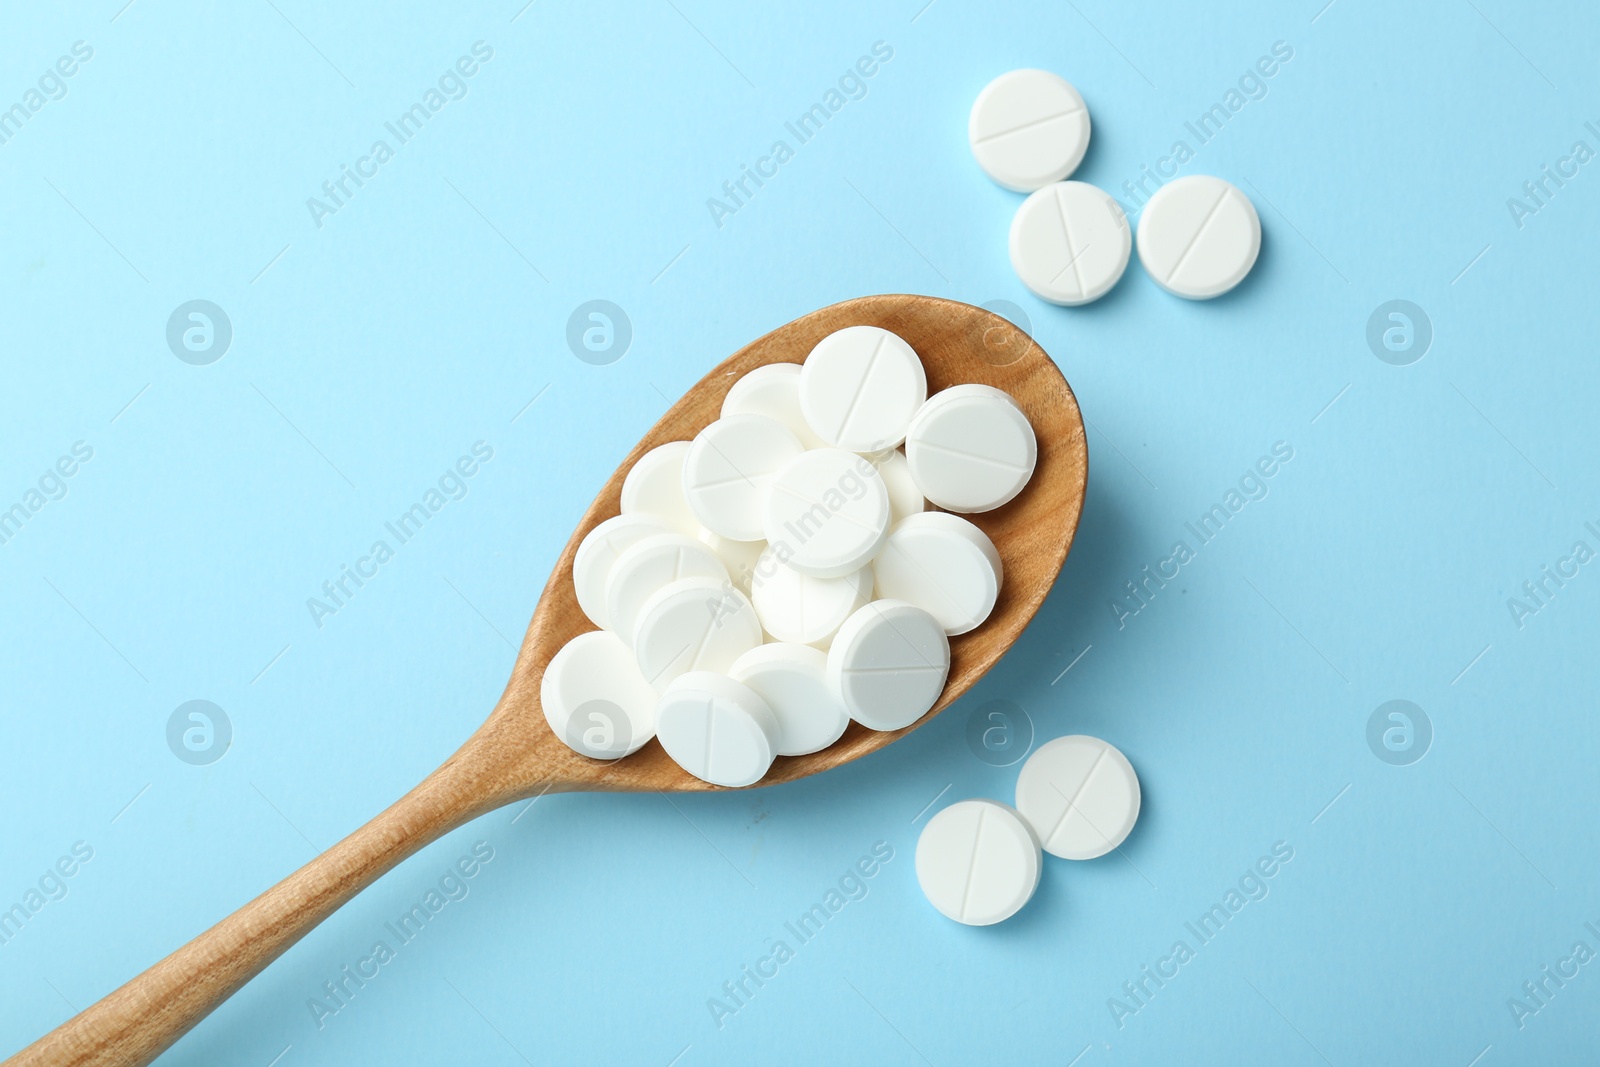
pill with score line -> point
(717, 729)
(827, 513)
(1070, 243)
(888, 663)
(792, 679)
(943, 564)
(1028, 128)
(696, 624)
(728, 468)
(644, 568)
(1199, 236)
(1081, 796)
(971, 448)
(978, 862)
(859, 388)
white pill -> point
(1028, 128)
(978, 862)
(792, 679)
(696, 624)
(717, 729)
(859, 388)
(645, 567)
(971, 448)
(1080, 795)
(739, 557)
(827, 513)
(797, 607)
(887, 664)
(595, 699)
(726, 473)
(1199, 236)
(597, 554)
(772, 390)
(1070, 243)
(944, 565)
(904, 496)
(654, 486)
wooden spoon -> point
(514, 755)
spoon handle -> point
(140, 1020)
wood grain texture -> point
(514, 755)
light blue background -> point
(425, 315)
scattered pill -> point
(859, 388)
(647, 566)
(739, 557)
(597, 554)
(595, 699)
(695, 624)
(728, 468)
(971, 448)
(944, 565)
(1199, 236)
(904, 496)
(797, 607)
(888, 663)
(1080, 795)
(654, 486)
(827, 513)
(978, 862)
(1070, 243)
(772, 390)
(717, 729)
(792, 679)
(1028, 128)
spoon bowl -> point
(514, 755)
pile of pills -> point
(1070, 241)
(979, 861)
(782, 574)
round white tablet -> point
(859, 388)
(654, 486)
(597, 554)
(1028, 128)
(971, 448)
(738, 556)
(728, 468)
(772, 390)
(904, 496)
(1199, 236)
(1080, 795)
(595, 699)
(944, 565)
(827, 513)
(797, 607)
(887, 664)
(792, 679)
(717, 729)
(978, 862)
(696, 624)
(645, 567)
(1070, 243)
